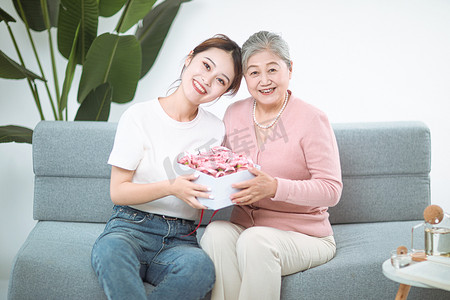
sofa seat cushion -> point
(57, 255)
(355, 272)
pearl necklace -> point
(276, 118)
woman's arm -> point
(321, 153)
(323, 188)
(313, 192)
(124, 192)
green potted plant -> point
(112, 63)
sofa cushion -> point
(383, 148)
(57, 255)
(355, 271)
(73, 149)
(385, 169)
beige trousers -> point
(249, 263)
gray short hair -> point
(264, 40)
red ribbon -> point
(200, 222)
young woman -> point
(280, 224)
(148, 236)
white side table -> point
(405, 284)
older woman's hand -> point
(260, 187)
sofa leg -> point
(403, 291)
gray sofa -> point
(385, 169)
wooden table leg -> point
(403, 291)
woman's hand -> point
(125, 192)
(260, 187)
(183, 188)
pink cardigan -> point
(302, 154)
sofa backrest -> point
(385, 168)
(385, 171)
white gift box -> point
(220, 187)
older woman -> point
(280, 224)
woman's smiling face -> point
(267, 77)
(207, 75)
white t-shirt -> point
(149, 142)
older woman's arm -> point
(324, 188)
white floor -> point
(3, 289)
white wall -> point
(358, 60)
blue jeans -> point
(137, 246)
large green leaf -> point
(153, 32)
(70, 71)
(134, 11)
(4, 16)
(12, 70)
(114, 59)
(107, 8)
(72, 13)
(97, 105)
(33, 13)
(18, 134)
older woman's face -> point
(267, 77)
